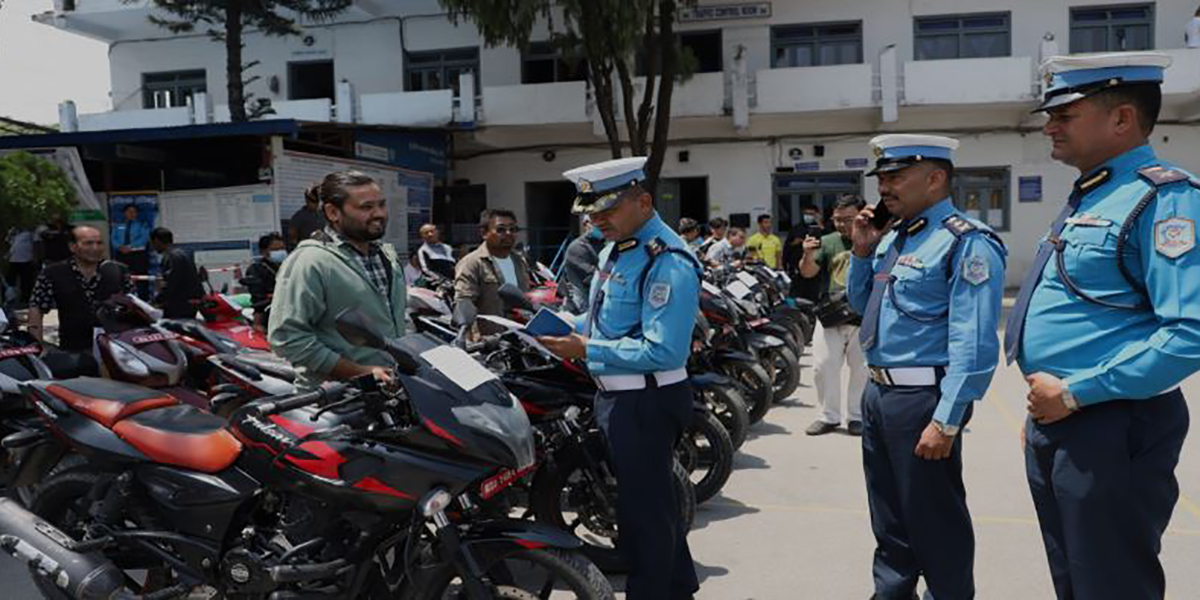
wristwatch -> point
(944, 429)
(1069, 401)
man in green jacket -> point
(344, 266)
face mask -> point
(277, 256)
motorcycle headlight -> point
(128, 361)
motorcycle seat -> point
(106, 401)
(181, 436)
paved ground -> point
(792, 522)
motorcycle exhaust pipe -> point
(46, 549)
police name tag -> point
(1174, 237)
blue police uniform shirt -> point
(1108, 353)
(139, 237)
(648, 329)
(930, 320)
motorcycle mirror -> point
(352, 325)
(202, 273)
(512, 296)
(465, 313)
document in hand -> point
(547, 322)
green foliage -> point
(606, 35)
(32, 191)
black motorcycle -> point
(357, 490)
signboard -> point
(721, 12)
(856, 163)
(1029, 189)
(240, 214)
(809, 166)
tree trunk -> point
(233, 61)
(602, 83)
(637, 138)
(666, 88)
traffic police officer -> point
(636, 338)
(1105, 328)
(930, 293)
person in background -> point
(689, 230)
(22, 268)
(181, 289)
(582, 260)
(76, 288)
(804, 288)
(412, 267)
(729, 250)
(835, 340)
(131, 238)
(55, 241)
(716, 233)
(764, 245)
(1191, 36)
(433, 255)
(307, 219)
(260, 276)
(343, 266)
(494, 263)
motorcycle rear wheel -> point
(567, 574)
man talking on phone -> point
(929, 287)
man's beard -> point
(362, 232)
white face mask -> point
(277, 256)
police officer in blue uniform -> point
(636, 338)
(1105, 328)
(930, 291)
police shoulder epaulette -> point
(1160, 175)
(958, 225)
(656, 246)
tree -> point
(227, 22)
(607, 35)
(32, 191)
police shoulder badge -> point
(975, 270)
(659, 294)
(1174, 237)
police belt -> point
(640, 381)
(896, 376)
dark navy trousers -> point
(642, 427)
(918, 507)
(1103, 482)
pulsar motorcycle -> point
(352, 491)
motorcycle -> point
(19, 362)
(357, 490)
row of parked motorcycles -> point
(196, 469)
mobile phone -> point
(882, 217)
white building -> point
(788, 93)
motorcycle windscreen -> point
(455, 395)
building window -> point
(964, 36)
(816, 45)
(439, 69)
(310, 80)
(1112, 28)
(705, 48)
(172, 88)
(982, 193)
(544, 63)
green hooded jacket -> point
(318, 281)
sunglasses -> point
(507, 230)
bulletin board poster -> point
(146, 203)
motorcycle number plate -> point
(22, 351)
(747, 278)
(457, 365)
(738, 289)
(150, 338)
(710, 288)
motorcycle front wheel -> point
(518, 573)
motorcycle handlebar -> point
(278, 406)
